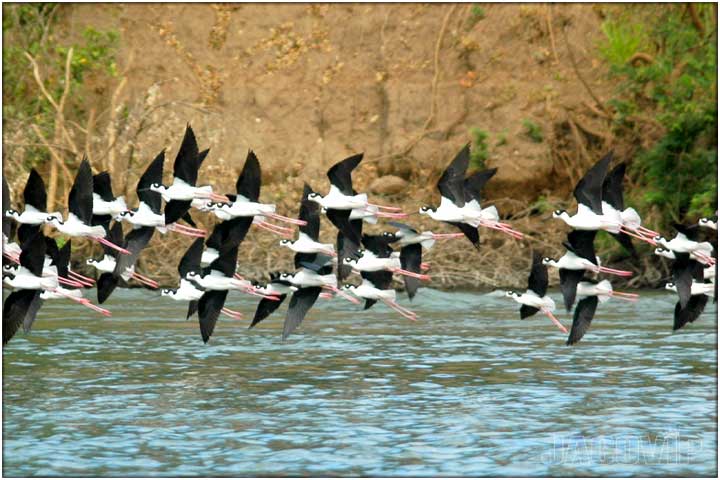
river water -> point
(467, 390)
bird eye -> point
(348, 259)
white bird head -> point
(426, 209)
(158, 187)
(560, 214)
(12, 213)
(314, 197)
(285, 242)
(513, 294)
(671, 286)
(549, 261)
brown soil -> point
(307, 85)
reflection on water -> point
(469, 389)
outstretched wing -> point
(584, 313)
(265, 308)
(15, 309)
(538, 280)
(102, 186)
(378, 245)
(589, 189)
(34, 193)
(190, 261)
(310, 212)
(300, 303)
(451, 183)
(250, 179)
(209, 307)
(411, 259)
(612, 190)
(186, 162)
(153, 174)
(471, 233)
(581, 243)
(569, 280)
(80, 200)
(32, 254)
(341, 220)
(340, 174)
(474, 184)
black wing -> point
(153, 174)
(32, 311)
(538, 280)
(190, 261)
(15, 309)
(135, 241)
(237, 229)
(80, 200)
(411, 259)
(340, 174)
(201, 157)
(569, 280)
(300, 304)
(114, 235)
(175, 210)
(584, 313)
(691, 312)
(209, 307)
(378, 245)
(106, 284)
(581, 243)
(451, 183)
(103, 186)
(683, 271)
(612, 190)
(226, 263)
(471, 233)
(26, 231)
(310, 212)
(380, 279)
(589, 189)
(341, 220)
(691, 232)
(250, 179)
(347, 248)
(34, 193)
(186, 163)
(192, 308)
(474, 184)
(32, 254)
(63, 259)
(265, 308)
(188, 219)
(301, 258)
(527, 311)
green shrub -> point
(533, 130)
(479, 150)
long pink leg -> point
(410, 316)
(391, 215)
(384, 207)
(555, 321)
(219, 198)
(251, 291)
(11, 258)
(419, 276)
(145, 280)
(638, 236)
(81, 278)
(285, 219)
(108, 243)
(274, 229)
(343, 294)
(494, 226)
(442, 236)
(613, 271)
(70, 283)
(425, 266)
(329, 253)
(232, 313)
(85, 302)
(326, 295)
(182, 230)
(630, 297)
(239, 277)
(647, 231)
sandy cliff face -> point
(307, 85)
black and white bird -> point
(460, 200)
(35, 199)
(181, 192)
(376, 287)
(342, 198)
(579, 259)
(412, 243)
(592, 292)
(80, 208)
(10, 249)
(246, 202)
(278, 288)
(535, 298)
(307, 242)
(22, 305)
(187, 290)
(709, 222)
(628, 220)
(378, 255)
(686, 242)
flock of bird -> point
(38, 268)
